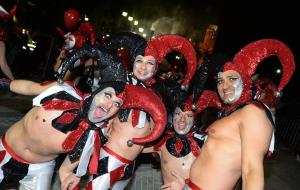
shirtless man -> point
(180, 145)
(239, 140)
(29, 146)
(62, 121)
(117, 156)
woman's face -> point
(144, 67)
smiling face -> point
(182, 121)
(230, 86)
(69, 41)
(104, 105)
(144, 67)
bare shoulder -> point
(252, 111)
(253, 108)
(255, 117)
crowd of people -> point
(102, 126)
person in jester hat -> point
(61, 121)
(79, 32)
(180, 145)
(116, 159)
(146, 56)
(241, 137)
(127, 145)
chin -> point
(181, 132)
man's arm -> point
(255, 132)
(27, 87)
(67, 177)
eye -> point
(117, 104)
(177, 113)
(190, 115)
(233, 78)
(107, 95)
(220, 81)
(138, 61)
(150, 63)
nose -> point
(109, 104)
(225, 85)
(143, 65)
(182, 118)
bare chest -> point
(226, 128)
(170, 163)
(39, 130)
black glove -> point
(4, 84)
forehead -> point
(147, 58)
(184, 112)
(228, 74)
(107, 89)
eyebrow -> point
(232, 76)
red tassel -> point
(74, 136)
(193, 144)
(93, 168)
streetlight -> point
(141, 29)
(124, 13)
(130, 18)
(86, 18)
(135, 22)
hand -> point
(177, 184)
(70, 182)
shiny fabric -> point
(138, 117)
(190, 185)
(160, 46)
(179, 145)
(30, 176)
(114, 172)
(248, 58)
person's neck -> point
(228, 109)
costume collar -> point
(179, 145)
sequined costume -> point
(114, 172)
(30, 176)
(181, 145)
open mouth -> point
(100, 112)
(181, 126)
(228, 93)
(143, 73)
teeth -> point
(104, 109)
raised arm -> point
(256, 132)
(27, 87)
